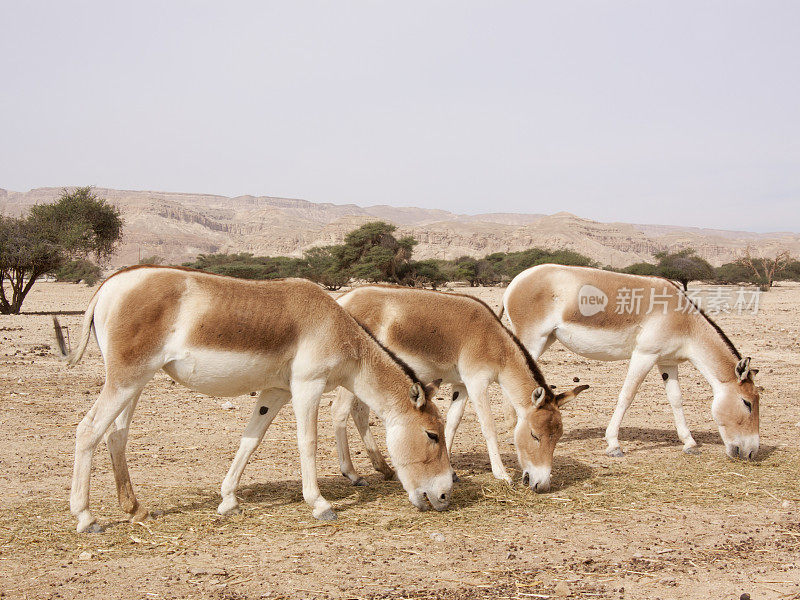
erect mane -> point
(726, 340)
(400, 362)
(532, 366)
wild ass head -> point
(416, 444)
(735, 409)
(537, 433)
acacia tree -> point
(764, 269)
(79, 224)
(372, 252)
(683, 266)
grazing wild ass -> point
(612, 316)
(225, 337)
(459, 339)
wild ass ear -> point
(538, 396)
(565, 397)
(743, 368)
(417, 395)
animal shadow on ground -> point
(657, 438)
(566, 470)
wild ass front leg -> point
(638, 369)
(117, 440)
(669, 373)
(266, 409)
(344, 403)
(478, 393)
(360, 414)
(305, 401)
(454, 415)
(111, 402)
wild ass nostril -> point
(443, 497)
(526, 478)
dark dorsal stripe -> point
(400, 363)
(534, 368)
(708, 319)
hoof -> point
(361, 482)
(328, 515)
(226, 509)
(94, 528)
(694, 450)
(140, 515)
(456, 478)
(615, 452)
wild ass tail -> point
(73, 357)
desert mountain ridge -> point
(179, 226)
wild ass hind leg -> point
(266, 409)
(639, 367)
(669, 374)
(305, 402)
(360, 415)
(341, 408)
(113, 399)
(117, 439)
(478, 393)
(454, 415)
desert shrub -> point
(75, 271)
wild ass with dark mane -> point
(459, 339)
(225, 337)
(654, 323)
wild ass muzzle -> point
(612, 316)
(458, 339)
(225, 337)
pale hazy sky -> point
(658, 112)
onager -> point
(653, 323)
(225, 337)
(460, 340)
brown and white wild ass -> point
(595, 314)
(458, 339)
(225, 337)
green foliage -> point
(512, 264)
(81, 269)
(80, 223)
(77, 225)
(321, 265)
(152, 260)
(733, 273)
(684, 266)
(430, 272)
(247, 266)
(642, 268)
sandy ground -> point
(654, 524)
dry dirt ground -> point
(654, 524)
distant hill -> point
(180, 226)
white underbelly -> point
(225, 373)
(598, 344)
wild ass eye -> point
(433, 436)
(534, 436)
(748, 405)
